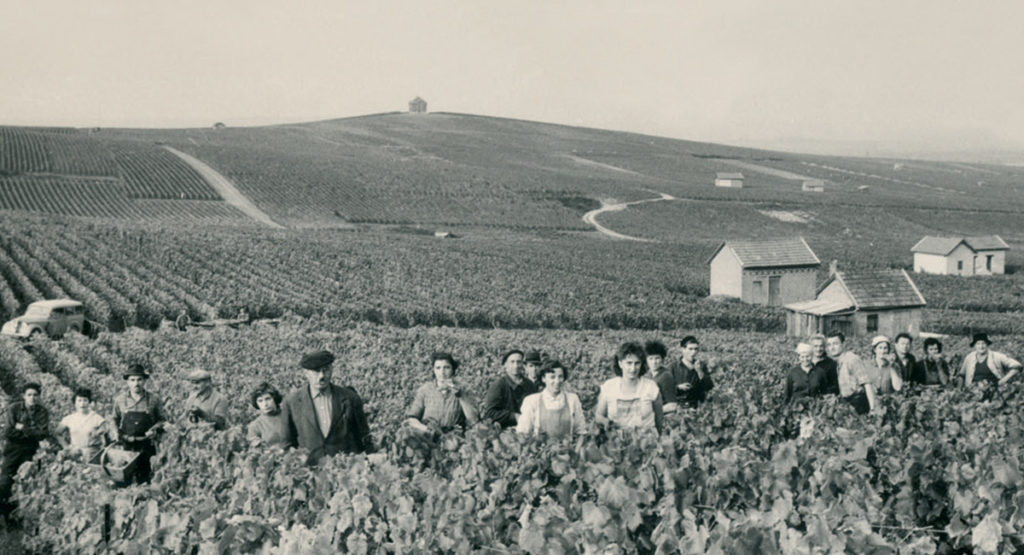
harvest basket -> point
(119, 464)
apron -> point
(136, 424)
(983, 372)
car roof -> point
(56, 303)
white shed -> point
(729, 179)
(813, 185)
(769, 272)
(960, 256)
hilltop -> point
(445, 169)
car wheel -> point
(75, 329)
(34, 334)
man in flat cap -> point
(325, 418)
(204, 404)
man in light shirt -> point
(855, 385)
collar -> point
(326, 392)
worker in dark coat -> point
(28, 423)
(325, 418)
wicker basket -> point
(119, 464)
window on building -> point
(959, 265)
(872, 323)
(758, 289)
(988, 262)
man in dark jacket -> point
(506, 394)
(827, 365)
(28, 423)
(693, 379)
(904, 361)
(324, 418)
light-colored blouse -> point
(555, 415)
(635, 410)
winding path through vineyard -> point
(227, 189)
(591, 217)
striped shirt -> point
(322, 401)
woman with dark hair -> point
(933, 368)
(441, 404)
(629, 400)
(664, 375)
(554, 411)
(269, 428)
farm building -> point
(417, 106)
(772, 272)
(813, 185)
(729, 179)
(859, 303)
(960, 256)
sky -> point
(836, 75)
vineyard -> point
(936, 470)
(111, 218)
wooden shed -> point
(860, 303)
(417, 106)
(768, 272)
(813, 186)
(729, 179)
(960, 256)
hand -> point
(19, 426)
(685, 386)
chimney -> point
(833, 267)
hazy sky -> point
(936, 74)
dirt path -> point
(765, 170)
(591, 217)
(227, 189)
(602, 165)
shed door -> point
(842, 324)
(774, 290)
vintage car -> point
(53, 318)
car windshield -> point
(37, 312)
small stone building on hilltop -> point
(861, 303)
(960, 256)
(417, 106)
(729, 179)
(813, 186)
(768, 272)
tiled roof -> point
(820, 307)
(987, 242)
(945, 245)
(770, 253)
(728, 175)
(881, 289)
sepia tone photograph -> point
(597, 277)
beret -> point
(136, 370)
(199, 375)
(316, 360)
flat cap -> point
(199, 375)
(532, 357)
(316, 360)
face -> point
(933, 351)
(266, 404)
(531, 370)
(818, 344)
(654, 362)
(82, 404)
(630, 367)
(31, 396)
(981, 347)
(553, 381)
(514, 366)
(805, 358)
(834, 346)
(135, 384)
(443, 370)
(903, 345)
(199, 386)
(690, 351)
(319, 379)
(881, 349)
